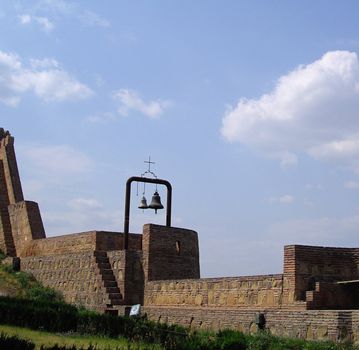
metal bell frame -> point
(128, 198)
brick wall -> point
(11, 172)
(84, 241)
(26, 224)
(251, 291)
(169, 253)
(311, 325)
(76, 275)
(134, 278)
(127, 269)
(306, 265)
(19, 221)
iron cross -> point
(149, 163)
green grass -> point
(50, 339)
(24, 285)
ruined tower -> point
(20, 220)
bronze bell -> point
(143, 203)
(156, 202)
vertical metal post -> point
(128, 202)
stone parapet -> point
(80, 242)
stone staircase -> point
(108, 278)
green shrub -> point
(30, 287)
(38, 292)
(49, 316)
(230, 340)
(14, 343)
(2, 255)
(89, 322)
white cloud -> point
(84, 204)
(312, 109)
(352, 185)
(103, 118)
(57, 161)
(131, 100)
(45, 24)
(287, 159)
(44, 63)
(52, 7)
(57, 9)
(285, 199)
(45, 78)
(327, 231)
(93, 19)
(59, 222)
(25, 19)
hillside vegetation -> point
(29, 305)
(23, 285)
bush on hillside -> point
(49, 316)
(61, 317)
(14, 343)
(28, 286)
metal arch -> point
(128, 201)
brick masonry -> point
(316, 296)
(312, 325)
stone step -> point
(117, 301)
(112, 289)
(101, 260)
(104, 265)
(99, 253)
(107, 273)
(114, 296)
(111, 279)
(110, 283)
(111, 311)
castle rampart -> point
(316, 296)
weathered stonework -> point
(254, 291)
(316, 296)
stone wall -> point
(306, 265)
(128, 271)
(253, 291)
(10, 169)
(169, 253)
(20, 221)
(75, 275)
(10, 190)
(311, 325)
(81, 242)
(26, 224)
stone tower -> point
(20, 220)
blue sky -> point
(249, 108)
